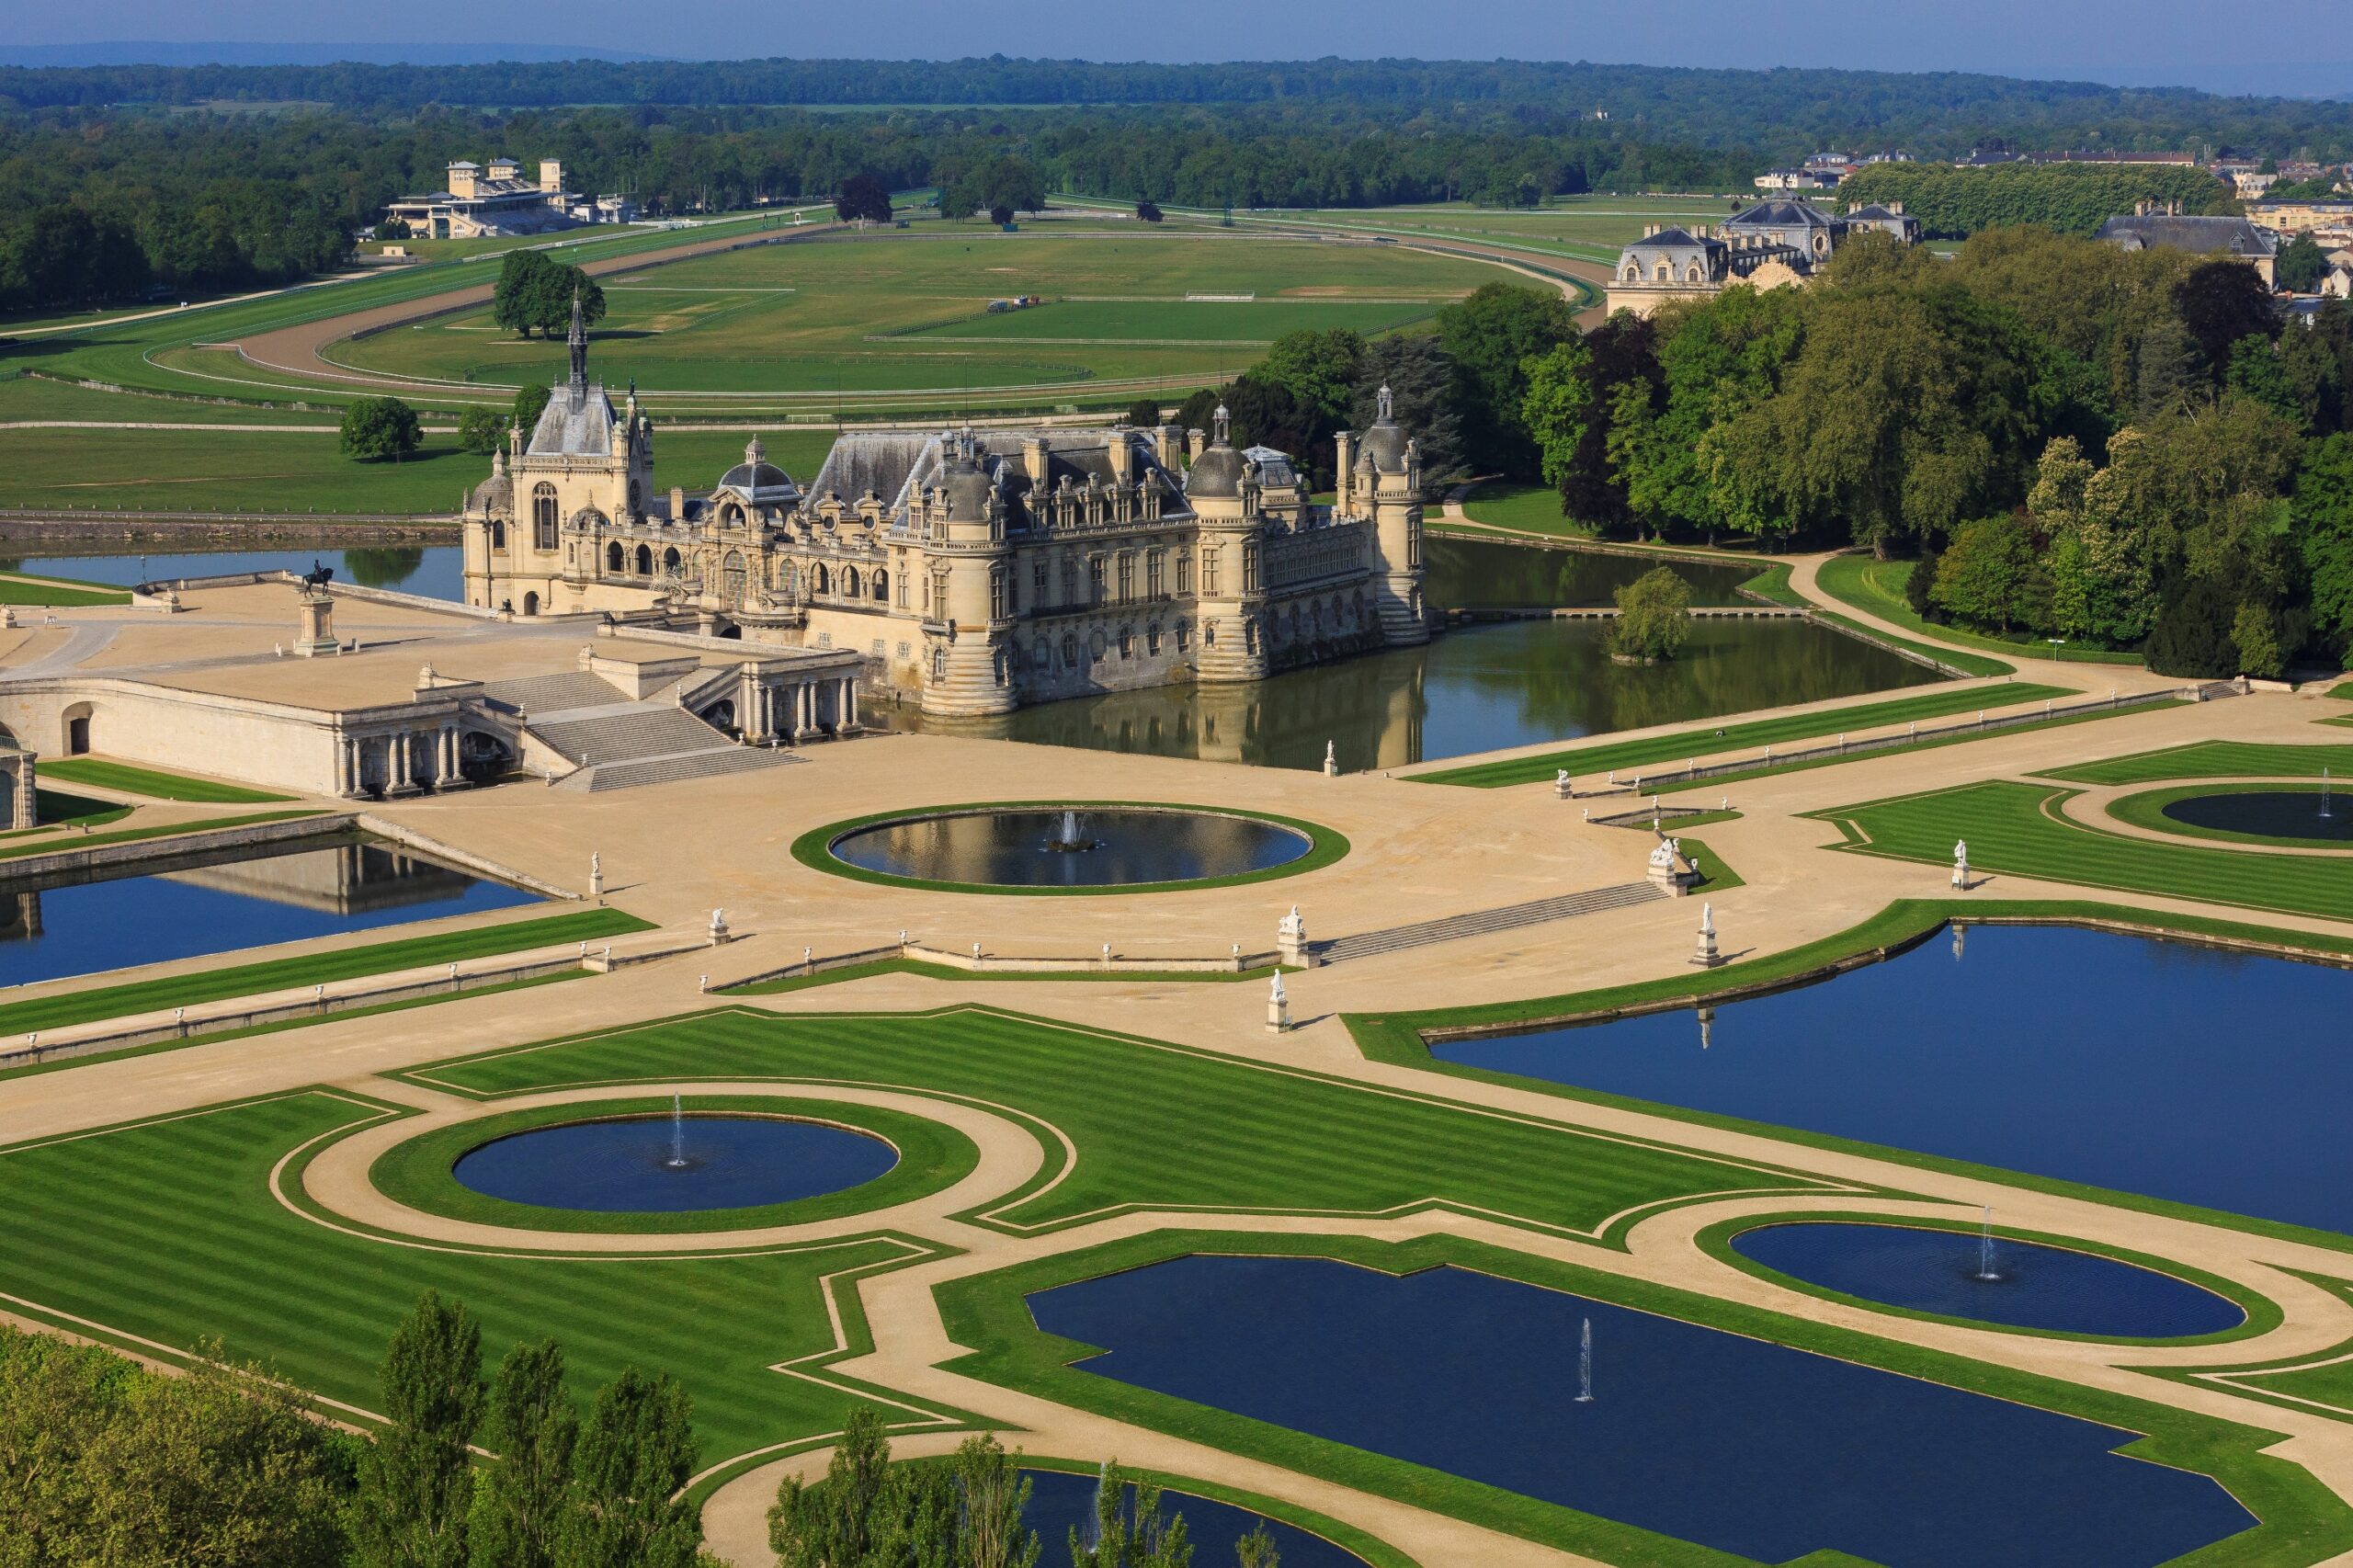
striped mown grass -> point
(2016, 828)
(2211, 760)
(151, 781)
(167, 1232)
(1585, 761)
(314, 969)
(1155, 1125)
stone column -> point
(403, 764)
(850, 701)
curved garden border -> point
(2146, 809)
(814, 847)
(2263, 1314)
(418, 1173)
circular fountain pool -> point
(1073, 848)
(2269, 814)
(653, 1164)
(2049, 1289)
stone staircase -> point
(672, 769)
(624, 746)
(1478, 923)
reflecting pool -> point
(79, 922)
(2021, 1284)
(1714, 1438)
(1061, 1502)
(1475, 688)
(1079, 848)
(2269, 814)
(437, 571)
(2149, 1066)
(1468, 573)
(661, 1166)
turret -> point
(970, 634)
(1230, 597)
(1386, 485)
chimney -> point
(1123, 458)
(1033, 459)
(2141, 207)
(677, 504)
(1197, 441)
(550, 175)
(1343, 455)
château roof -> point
(2200, 234)
(564, 430)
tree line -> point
(1790, 112)
(2071, 198)
(105, 1464)
(2128, 449)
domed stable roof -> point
(757, 477)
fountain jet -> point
(1585, 1363)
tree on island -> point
(375, 428)
(862, 199)
(1653, 617)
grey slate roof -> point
(2198, 235)
(566, 431)
(1782, 215)
(1274, 470)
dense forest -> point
(1786, 112)
(2129, 450)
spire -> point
(1224, 422)
(578, 341)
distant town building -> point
(2154, 226)
(2172, 160)
(2303, 217)
(497, 199)
(1772, 245)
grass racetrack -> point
(899, 312)
(2016, 828)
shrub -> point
(2192, 636)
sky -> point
(2184, 42)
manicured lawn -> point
(2301, 1517)
(168, 1231)
(278, 472)
(2146, 808)
(2013, 827)
(34, 397)
(1154, 1125)
(1583, 762)
(1531, 508)
(50, 593)
(151, 781)
(2211, 760)
(314, 969)
(1876, 587)
(134, 834)
(1773, 584)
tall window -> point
(1070, 581)
(1249, 568)
(1038, 580)
(1184, 573)
(1000, 593)
(1127, 576)
(1095, 576)
(1153, 587)
(1208, 571)
(543, 516)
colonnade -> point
(412, 761)
(796, 710)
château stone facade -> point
(976, 570)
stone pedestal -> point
(1290, 941)
(1706, 957)
(1278, 1009)
(317, 634)
(1562, 788)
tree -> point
(482, 431)
(530, 399)
(1421, 381)
(1318, 369)
(862, 199)
(1142, 413)
(1654, 616)
(2168, 370)
(1131, 1535)
(535, 291)
(2220, 302)
(392, 229)
(1256, 1550)
(993, 1495)
(635, 1452)
(2255, 632)
(1920, 583)
(1491, 335)
(375, 428)
(2256, 370)
(2323, 513)
(416, 1484)
(2300, 265)
(1560, 398)
(2192, 635)
(832, 1523)
(1149, 210)
(1987, 572)
(521, 1502)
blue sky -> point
(2192, 43)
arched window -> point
(670, 561)
(1151, 639)
(1691, 273)
(1250, 635)
(784, 578)
(819, 580)
(731, 578)
(882, 585)
(1633, 273)
(939, 663)
(613, 556)
(1070, 653)
(1208, 634)
(498, 533)
(850, 582)
(543, 516)
(636, 497)
(644, 561)
(731, 516)
(1664, 274)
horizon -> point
(2167, 43)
